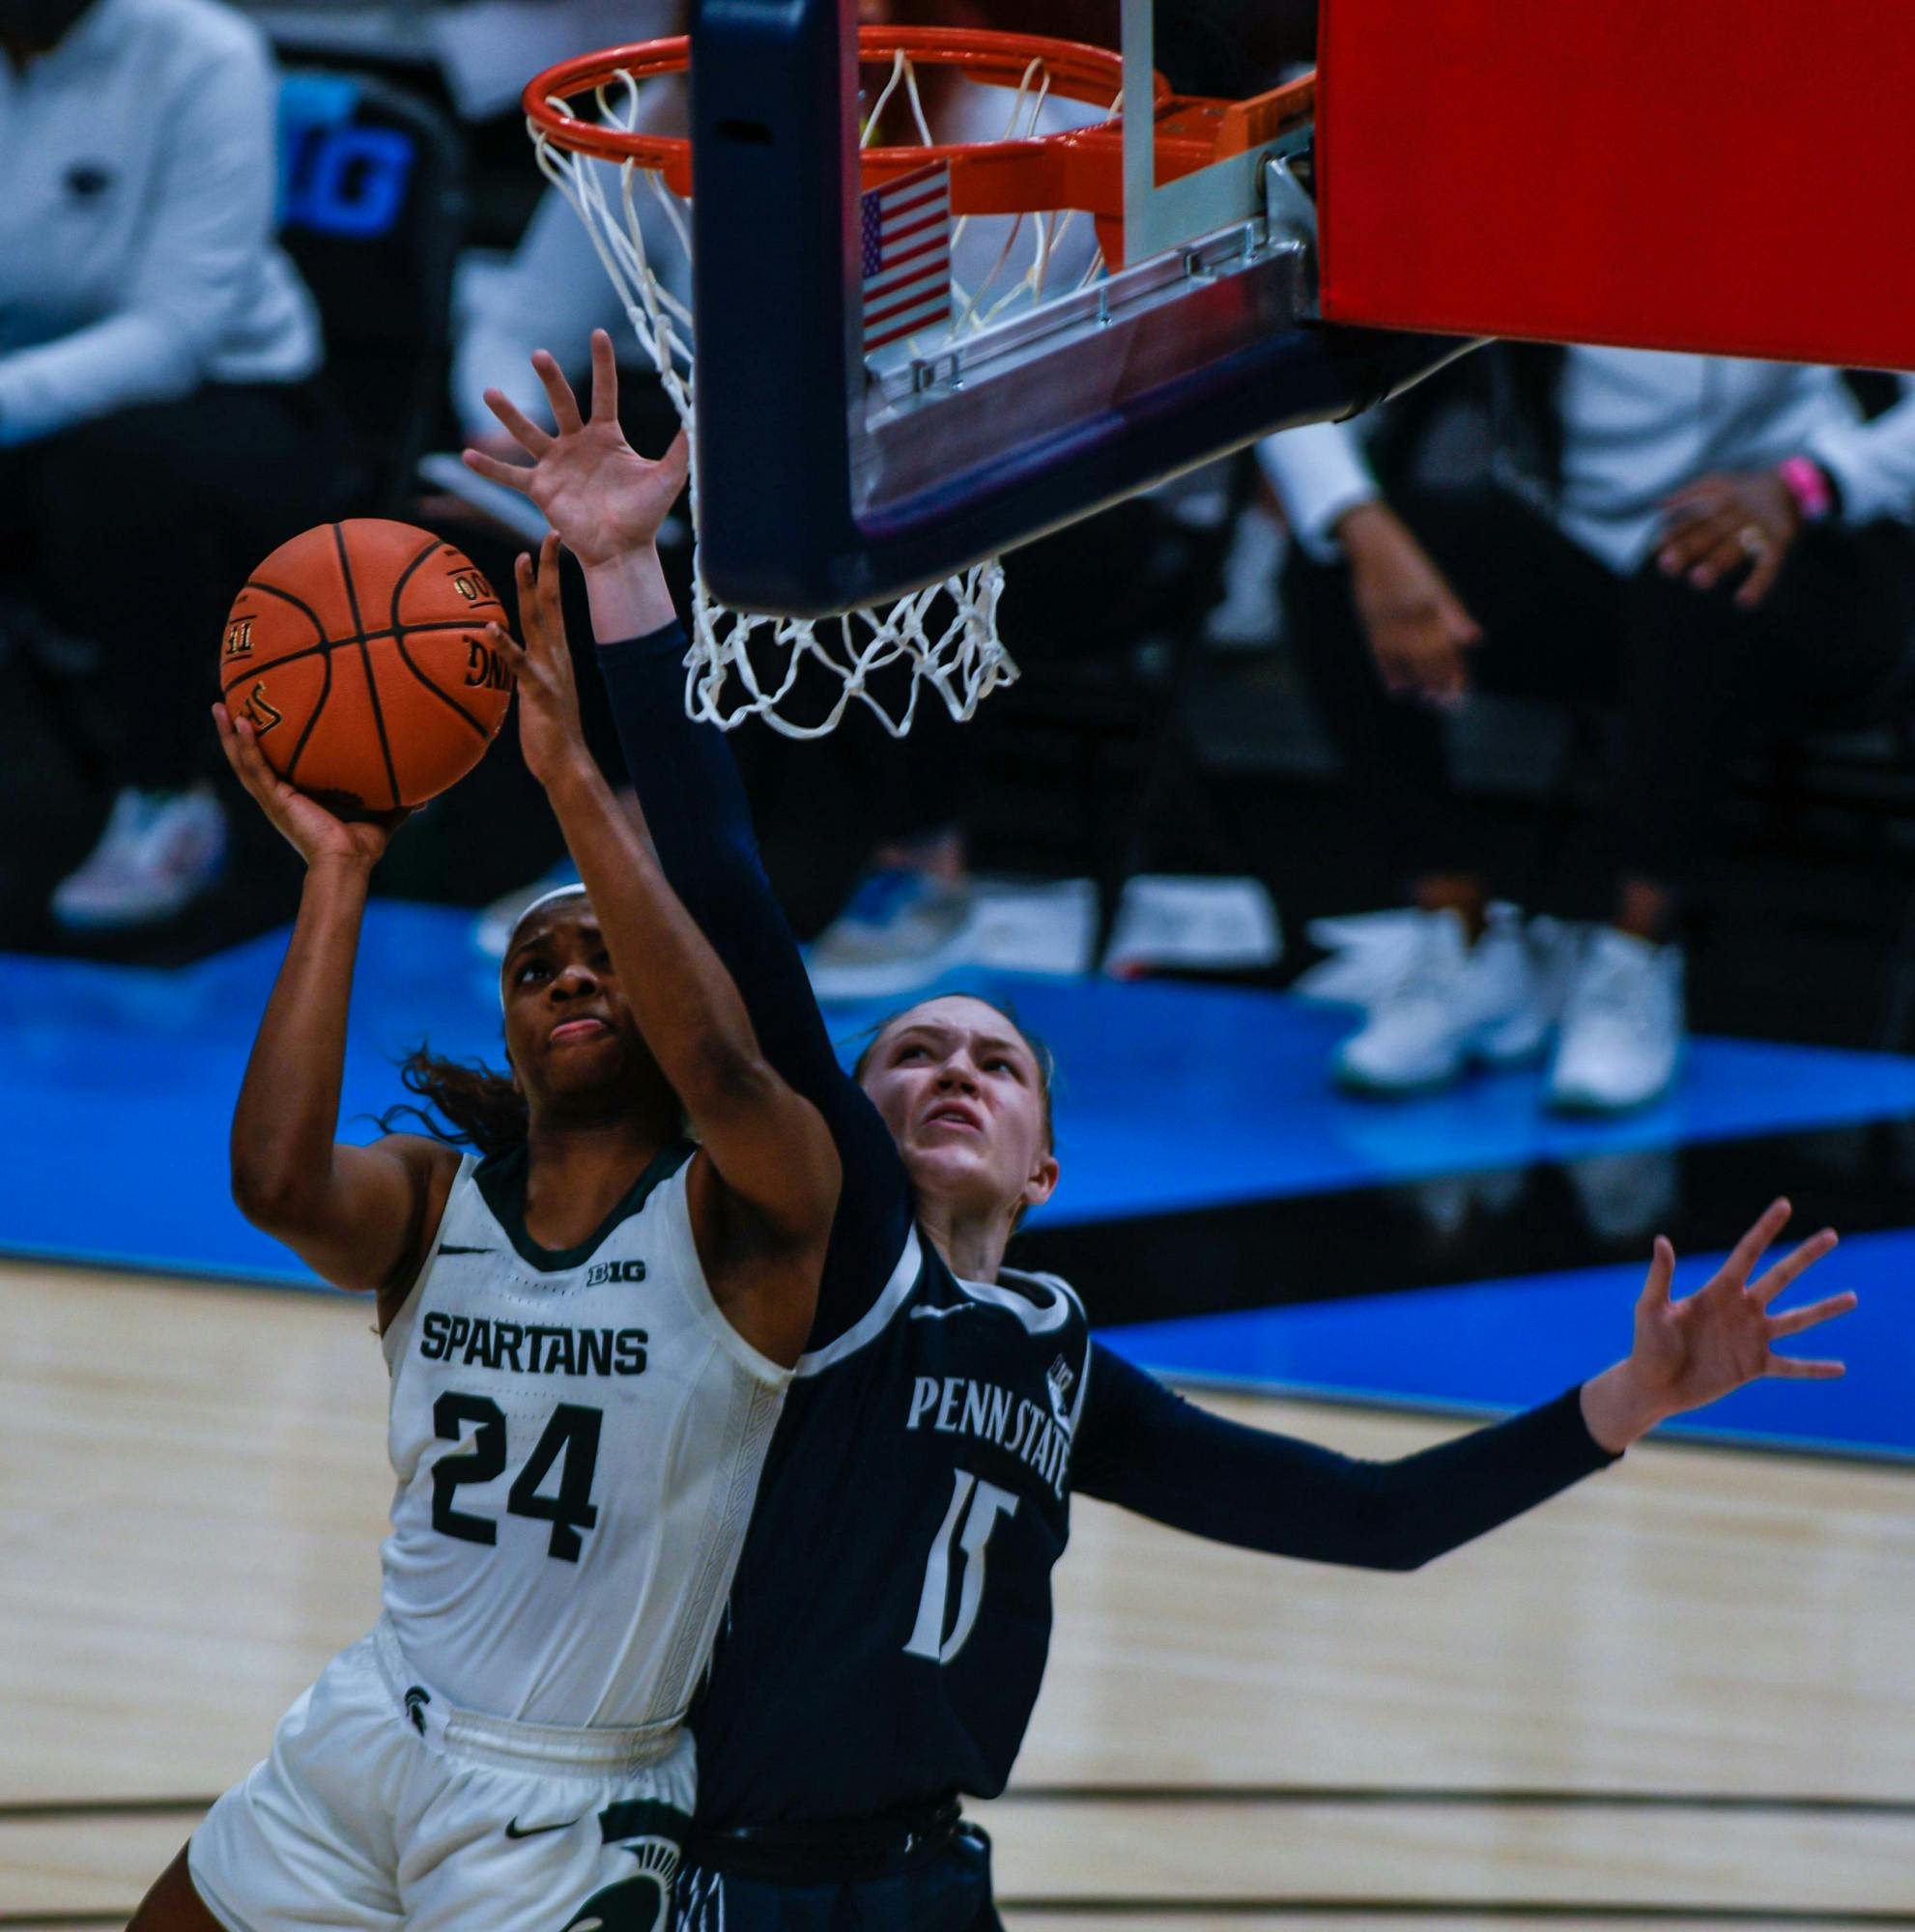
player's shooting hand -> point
(314, 832)
(549, 729)
(1710, 1344)
(1416, 625)
(1721, 523)
(597, 491)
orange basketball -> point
(358, 652)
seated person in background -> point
(1689, 539)
(160, 427)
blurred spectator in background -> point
(552, 291)
(159, 430)
(1687, 539)
(488, 49)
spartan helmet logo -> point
(650, 1830)
(639, 1904)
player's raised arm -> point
(763, 1216)
(608, 502)
(361, 1218)
(605, 502)
(1151, 1450)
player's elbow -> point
(1388, 1534)
(1384, 1554)
(723, 1081)
(272, 1194)
(1404, 1560)
(266, 1201)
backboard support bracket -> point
(822, 487)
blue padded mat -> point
(120, 1084)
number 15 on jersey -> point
(975, 1509)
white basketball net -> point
(746, 663)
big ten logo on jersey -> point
(486, 667)
(257, 711)
(239, 637)
(601, 1273)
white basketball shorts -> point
(381, 1807)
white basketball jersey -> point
(578, 1438)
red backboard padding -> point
(1729, 176)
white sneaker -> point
(1033, 926)
(1450, 1004)
(159, 851)
(1202, 924)
(898, 931)
(1622, 1032)
(1518, 993)
(1364, 952)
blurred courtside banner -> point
(1705, 175)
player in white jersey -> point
(589, 1333)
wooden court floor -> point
(1684, 1694)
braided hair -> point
(467, 1105)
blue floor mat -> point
(1177, 1096)
(119, 1084)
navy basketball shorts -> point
(947, 1892)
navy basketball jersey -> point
(891, 1613)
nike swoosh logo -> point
(452, 1248)
(512, 1830)
(937, 1314)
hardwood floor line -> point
(1456, 1795)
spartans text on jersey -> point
(547, 1350)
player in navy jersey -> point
(891, 1613)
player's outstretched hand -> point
(549, 729)
(313, 833)
(1710, 1344)
(597, 491)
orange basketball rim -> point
(1079, 168)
